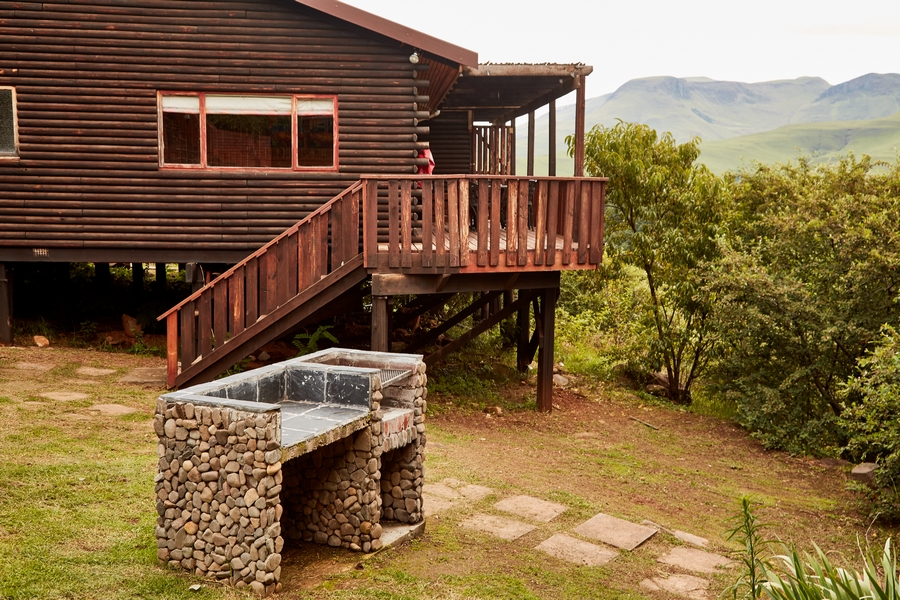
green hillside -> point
(871, 96)
(879, 138)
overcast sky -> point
(721, 39)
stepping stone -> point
(475, 492)
(146, 375)
(94, 372)
(394, 534)
(500, 527)
(27, 366)
(576, 551)
(439, 489)
(695, 560)
(684, 536)
(454, 483)
(435, 504)
(113, 409)
(64, 396)
(681, 585)
(615, 532)
(531, 508)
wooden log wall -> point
(88, 181)
(450, 142)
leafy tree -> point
(663, 216)
(811, 274)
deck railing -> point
(427, 224)
(265, 280)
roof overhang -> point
(406, 35)
(501, 92)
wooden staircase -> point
(278, 287)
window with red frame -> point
(248, 132)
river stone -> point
(615, 532)
(576, 551)
(531, 508)
(500, 527)
(692, 559)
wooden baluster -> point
(370, 225)
(584, 223)
(540, 221)
(496, 195)
(271, 258)
(305, 256)
(463, 222)
(204, 323)
(523, 222)
(427, 217)
(220, 310)
(598, 221)
(236, 291)
(453, 218)
(512, 221)
(351, 226)
(394, 224)
(552, 221)
(337, 241)
(282, 278)
(320, 239)
(481, 222)
(569, 220)
(252, 291)
(172, 348)
(439, 231)
(188, 337)
(290, 257)
(406, 223)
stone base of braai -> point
(318, 449)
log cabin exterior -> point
(282, 137)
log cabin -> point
(286, 139)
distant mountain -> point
(720, 110)
(823, 141)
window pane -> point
(183, 104)
(248, 141)
(181, 139)
(248, 105)
(7, 123)
(315, 141)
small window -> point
(9, 145)
(223, 131)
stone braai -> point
(313, 449)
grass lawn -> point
(77, 509)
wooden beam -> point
(380, 342)
(480, 328)
(579, 128)
(6, 306)
(545, 349)
(530, 143)
(421, 305)
(551, 123)
(391, 284)
(453, 321)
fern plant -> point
(307, 343)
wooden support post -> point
(512, 149)
(160, 276)
(6, 306)
(137, 277)
(530, 167)
(551, 122)
(545, 349)
(523, 329)
(380, 326)
(579, 128)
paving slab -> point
(475, 492)
(64, 396)
(80, 382)
(439, 489)
(531, 508)
(394, 534)
(433, 505)
(146, 375)
(684, 536)
(500, 527)
(94, 371)
(451, 482)
(680, 585)
(692, 559)
(615, 532)
(27, 366)
(576, 551)
(113, 409)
